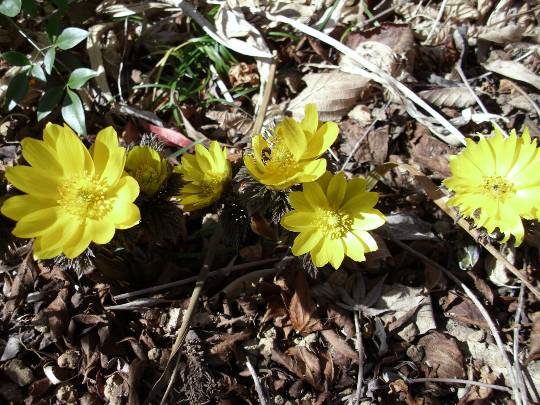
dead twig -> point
(360, 348)
(166, 286)
(171, 369)
(258, 387)
(517, 363)
(458, 381)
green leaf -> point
(49, 101)
(79, 77)
(70, 37)
(48, 60)
(10, 8)
(15, 58)
(73, 112)
(17, 89)
(38, 73)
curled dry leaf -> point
(302, 307)
(514, 70)
(462, 309)
(302, 362)
(442, 356)
(334, 94)
(457, 97)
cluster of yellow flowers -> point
(75, 196)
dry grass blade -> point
(373, 72)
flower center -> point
(497, 187)
(85, 197)
(146, 176)
(279, 157)
(334, 223)
(211, 185)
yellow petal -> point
(21, 205)
(41, 156)
(315, 196)
(305, 241)
(109, 158)
(336, 253)
(297, 221)
(360, 203)
(367, 221)
(36, 223)
(100, 232)
(321, 141)
(126, 217)
(79, 242)
(354, 248)
(126, 190)
(52, 132)
(298, 201)
(293, 136)
(336, 190)
(370, 245)
(320, 253)
(58, 235)
(33, 181)
(41, 252)
(74, 155)
(204, 159)
(311, 118)
(312, 171)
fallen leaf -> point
(513, 70)
(462, 309)
(334, 93)
(302, 362)
(302, 307)
(456, 97)
(56, 314)
(340, 347)
(442, 356)
(168, 135)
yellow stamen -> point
(334, 223)
(85, 197)
(497, 187)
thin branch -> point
(458, 381)
(258, 387)
(166, 286)
(517, 363)
(437, 20)
(360, 348)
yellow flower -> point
(496, 182)
(73, 196)
(291, 155)
(206, 173)
(333, 216)
(147, 167)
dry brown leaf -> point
(513, 70)
(462, 309)
(340, 346)
(228, 341)
(502, 34)
(302, 362)
(534, 345)
(57, 314)
(334, 94)
(302, 307)
(442, 357)
(457, 97)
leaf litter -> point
(66, 339)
